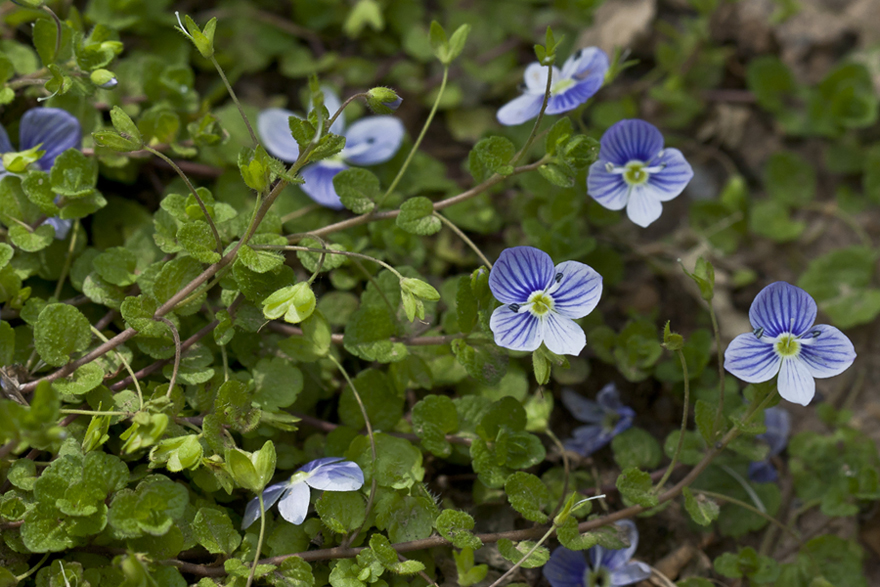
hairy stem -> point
(229, 89)
(464, 238)
(684, 421)
(259, 540)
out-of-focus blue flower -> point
(786, 342)
(605, 418)
(328, 474)
(635, 172)
(55, 131)
(606, 568)
(778, 423)
(581, 76)
(540, 301)
(369, 141)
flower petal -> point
(630, 573)
(294, 506)
(781, 307)
(616, 559)
(778, 424)
(586, 440)
(62, 227)
(609, 189)
(609, 398)
(572, 97)
(670, 181)
(583, 409)
(337, 476)
(751, 359)
(516, 331)
(372, 140)
(56, 129)
(274, 128)
(643, 206)
(565, 568)
(828, 354)
(518, 273)
(563, 335)
(270, 496)
(630, 140)
(795, 382)
(520, 109)
(332, 104)
(319, 183)
(577, 292)
(586, 62)
(5, 144)
(762, 472)
(535, 78)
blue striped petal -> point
(795, 383)
(778, 423)
(274, 128)
(62, 227)
(562, 335)
(670, 181)
(615, 559)
(609, 189)
(520, 109)
(587, 62)
(319, 183)
(781, 307)
(630, 573)
(630, 140)
(337, 476)
(518, 331)
(518, 273)
(574, 96)
(270, 496)
(828, 353)
(294, 506)
(583, 409)
(577, 289)
(643, 206)
(751, 359)
(762, 472)
(565, 568)
(55, 129)
(586, 440)
(372, 140)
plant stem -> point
(235, 99)
(753, 509)
(464, 237)
(259, 540)
(128, 368)
(525, 557)
(328, 251)
(684, 421)
(719, 415)
(68, 260)
(538, 120)
(566, 471)
(58, 27)
(177, 353)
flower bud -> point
(104, 79)
(29, 3)
(383, 100)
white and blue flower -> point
(581, 76)
(540, 301)
(54, 131)
(369, 141)
(605, 418)
(293, 495)
(635, 172)
(606, 568)
(778, 424)
(785, 342)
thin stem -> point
(177, 353)
(538, 120)
(121, 358)
(229, 89)
(719, 415)
(259, 540)
(418, 142)
(193, 191)
(96, 413)
(328, 251)
(566, 471)
(753, 509)
(746, 487)
(464, 237)
(525, 557)
(684, 421)
(58, 26)
(36, 567)
(299, 213)
(68, 260)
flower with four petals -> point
(540, 301)
(581, 76)
(293, 495)
(605, 418)
(606, 568)
(369, 141)
(52, 129)
(778, 424)
(785, 341)
(635, 172)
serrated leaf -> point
(74, 175)
(701, 508)
(528, 495)
(417, 217)
(635, 485)
(213, 529)
(516, 552)
(456, 527)
(60, 331)
(358, 189)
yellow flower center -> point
(561, 85)
(788, 345)
(541, 303)
(635, 173)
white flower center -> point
(540, 303)
(561, 86)
(634, 172)
(787, 345)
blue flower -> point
(635, 172)
(581, 77)
(55, 131)
(786, 342)
(540, 302)
(606, 568)
(369, 141)
(293, 495)
(605, 418)
(778, 423)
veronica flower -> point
(606, 568)
(635, 172)
(786, 342)
(540, 301)
(605, 418)
(778, 425)
(54, 131)
(369, 141)
(293, 495)
(581, 76)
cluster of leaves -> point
(163, 386)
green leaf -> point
(516, 552)
(294, 303)
(60, 331)
(705, 415)
(701, 508)
(310, 259)
(456, 526)
(635, 486)
(405, 518)
(398, 462)
(31, 240)
(117, 266)
(358, 189)
(368, 335)
(468, 573)
(439, 41)
(198, 240)
(491, 155)
(772, 219)
(213, 529)
(840, 282)
(262, 261)
(789, 178)
(456, 43)
(383, 405)
(417, 217)
(486, 363)
(277, 382)
(86, 378)
(528, 495)
(152, 508)
(691, 449)
(74, 175)
(433, 417)
(571, 539)
(341, 511)
(23, 474)
(177, 454)
(636, 448)
(125, 126)
(506, 412)
(771, 81)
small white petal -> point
(516, 331)
(520, 109)
(294, 506)
(372, 140)
(274, 128)
(795, 383)
(562, 335)
(643, 208)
